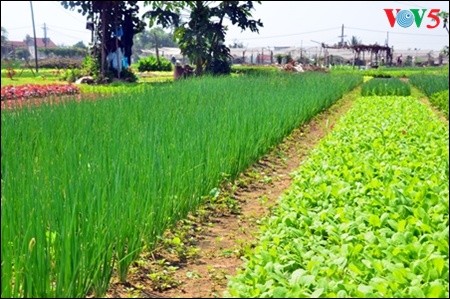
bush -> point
(128, 75)
(64, 52)
(279, 58)
(254, 70)
(90, 67)
(151, 64)
(71, 75)
(219, 67)
(61, 63)
(11, 63)
(22, 54)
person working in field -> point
(182, 72)
(178, 71)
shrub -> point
(61, 63)
(279, 58)
(128, 75)
(219, 67)
(22, 54)
(64, 52)
(71, 75)
(254, 70)
(150, 63)
(90, 67)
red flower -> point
(24, 92)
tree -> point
(80, 45)
(155, 37)
(201, 36)
(146, 39)
(115, 24)
(444, 16)
(354, 41)
(4, 36)
(28, 40)
(23, 54)
(4, 41)
(236, 45)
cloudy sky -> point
(286, 23)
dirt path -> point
(195, 258)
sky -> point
(286, 23)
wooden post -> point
(103, 55)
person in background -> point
(399, 60)
(178, 70)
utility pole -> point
(34, 34)
(301, 51)
(321, 46)
(342, 36)
(45, 35)
(387, 38)
(157, 48)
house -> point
(13, 47)
(44, 43)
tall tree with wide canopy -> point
(201, 35)
(109, 20)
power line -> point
(67, 35)
(66, 12)
(431, 42)
(62, 28)
(17, 28)
(400, 33)
(287, 35)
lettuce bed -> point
(367, 215)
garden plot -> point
(367, 214)
(86, 186)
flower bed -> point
(28, 91)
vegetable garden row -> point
(367, 214)
(85, 186)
